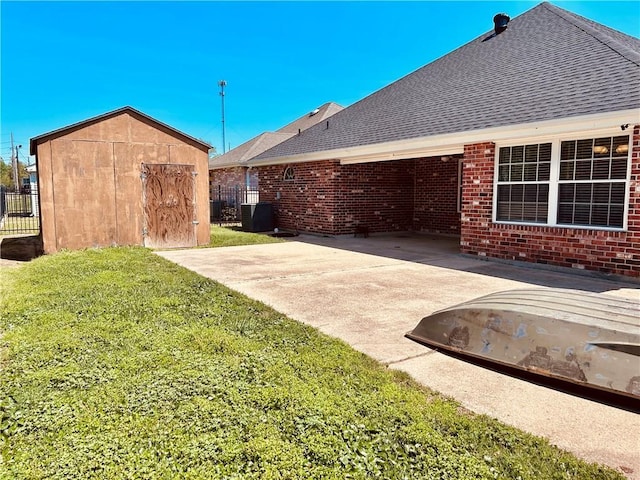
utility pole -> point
(14, 166)
(222, 84)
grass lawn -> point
(231, 236)
(116, 363)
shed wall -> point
(90, 185)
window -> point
(592, 181)
(566, 182)
(523, 183)
(288, 174)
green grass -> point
(231, 236)
(119, 364)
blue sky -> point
(63, 62)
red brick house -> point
(525, 142)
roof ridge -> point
(298, 123)
(584, 25)
(250, 153)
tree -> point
(6, 173)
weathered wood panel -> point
(168, 205)
(47, 206)
(187, 155)
(83, 185)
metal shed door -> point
(168, 193)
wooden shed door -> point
(169, 208)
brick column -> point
(477, 197)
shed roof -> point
(549, 64)
(114, 113)
(254, 147)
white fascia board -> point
(453, 143)
(433, 151)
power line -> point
(26, 158)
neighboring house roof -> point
(549, 64)
(252, 148)
(310, 119)
(248, 150)
(131, 111)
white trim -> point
(401, 155)
(453, 143)
(459, 192)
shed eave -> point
(35, 141)
(453, 143)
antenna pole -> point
(222, 84)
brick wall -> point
(436, 195)
(308, 202)
(329, 198)
(232, 177)
(227, 177)
(377, 195)
(596, 250)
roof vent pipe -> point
(500, 21)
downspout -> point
(247, 177)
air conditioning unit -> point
(257, 217)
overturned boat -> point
(585, 338)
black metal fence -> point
(225, 202)
(19, 213)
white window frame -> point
(289, 174)
(460, 181)
(554, 179)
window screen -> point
(523, 183)
(592, 181)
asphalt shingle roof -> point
(549, 64)
(250, 149)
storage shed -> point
(121, 178)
